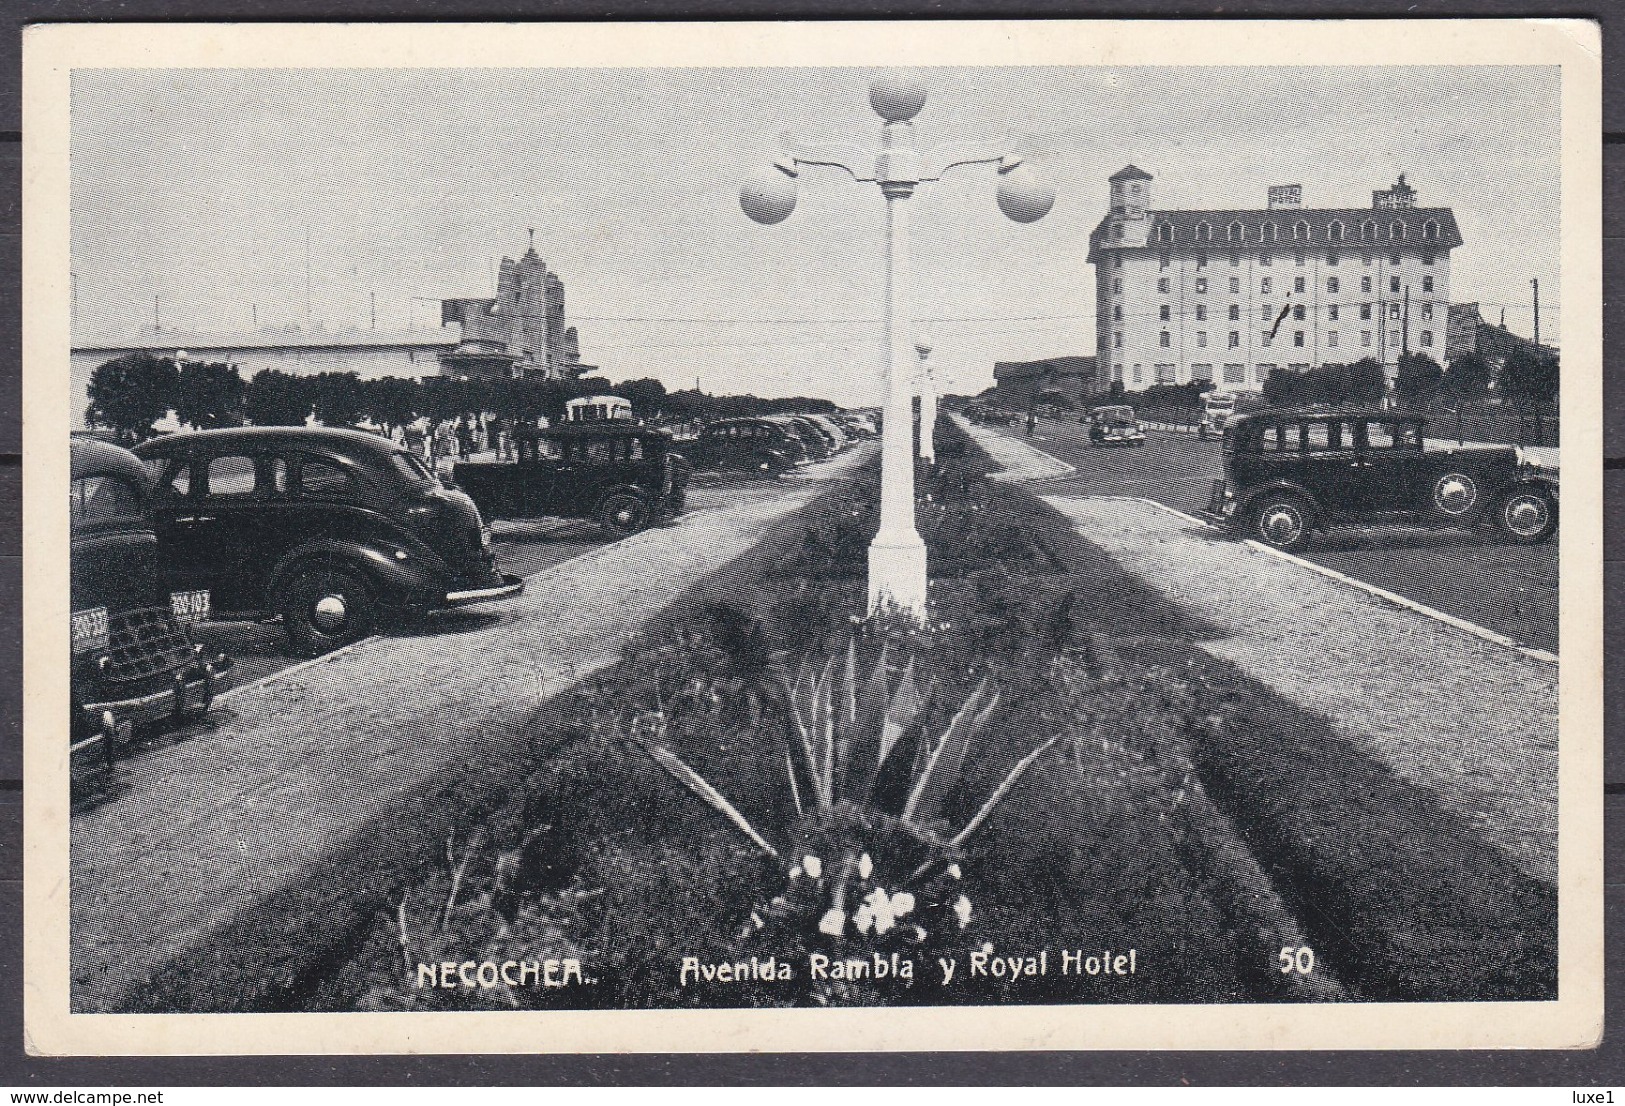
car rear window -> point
(324, 480)
(410, 468)
(94, 499)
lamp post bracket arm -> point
(839, 155)
(940, 159)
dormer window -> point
(1300, 230)
(1430, 229)
(1396, 229)
(1336, 230)
(1165, 233)
(1368, 230)
(1204, 232)
(1267, 232)
(1234, 233)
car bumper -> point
(192, 688)
(510, 586)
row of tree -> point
(131, 394)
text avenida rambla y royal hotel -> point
(981, 964)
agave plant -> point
(840, 758)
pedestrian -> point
(465, 439)
(1032, 424)
(525, 439)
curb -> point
(1473, 628)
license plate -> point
(189, 606)
(90, 629)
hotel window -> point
(1297, 284)
(1396, 229)
(1266, 260)
(1117, 312)
(1331, 312)
(1117, 231)
(1201, 261)
(1393, 311)
(1427, 337)
(1335, 233)
(1117, 286)
(1201, 338)
(1428, 259)
(1235, 374)
(1235, 312)
(1139, 375)
(1201, 312)
(1331, 338)
(1162, 313)
(1162, 285)
(1332, 258)
(1117, 372)
(1368, 230)
(1235, 259)
(1234, 234)
(1297, 337)
(1117, 340)
(1235, 285)
(1300, 231)
(1163, 260)
(1299, 258)
(1264, 312)
(1201, 286)
(1393, 337)
(1265, 339)
(1204, 233)
(1165, 374)
(1165, 233)
(1163, 340)
(1393, 284)
(1365, 284)
(1297, 311)
(1201, 372)
(1365, 311)
(1427, 311)
(1117, 261)
(1268, 232)
(1263, 372)
(1235, 339)
(1265, 286)
(1365, 337)
(1427, 284)
(1396, 260)
(1333, 285)
(1430, 229)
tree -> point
(130, 393)
(1532, 378)
(276, 398)
(1283, 388)
(209, 395)
(338, 399)
(1419, 379)
(1115, 392)
(1468, 377)
(1364, 382)
(390, 401)
(646, 395)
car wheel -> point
(1281, 521)
(1455, 498)
(326, 608)
(623, 514)
(1527, 516)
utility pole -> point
(156, 324)
(307, 276)
(254, 316)
(1535, 284)
(373, 299)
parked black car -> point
(330, 529)
(764, 446)
(625, 476)
(1288, 472)
(133, 660)
(818, 441)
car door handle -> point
(195, 518)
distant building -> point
(1229, 295)
(1024, 381)
(1469, 333)
(519, 332)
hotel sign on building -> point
(1230, 295)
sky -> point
(203, 187)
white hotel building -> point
(1230, 295)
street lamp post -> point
(927, 379)
(897, 561)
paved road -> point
(1476, 576)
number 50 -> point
(1300, 960)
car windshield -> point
(411, 468)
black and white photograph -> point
(746, 537)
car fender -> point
(1546, 483)
(1245, 503)
(396, 578)
(622, 489)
